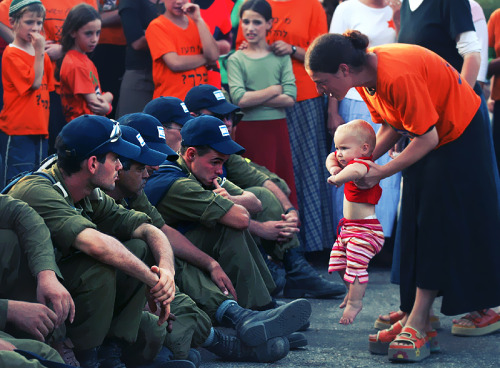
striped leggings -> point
(357, 242)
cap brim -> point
(164, 148)
(228, 147)
(184, 120)
(151, 157)
(223, 108)
(122, 148)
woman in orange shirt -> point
(450, 203)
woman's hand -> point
(372, 177)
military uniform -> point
(192, 325)
(185, 204)
(108, 303)
(272, 176)
(11, 359)
(22, 230)
(248, 177)
(190, 279)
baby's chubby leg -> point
(347, 285)
(354, 302)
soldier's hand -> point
(159, 309)
(277, 230)
(220, 279)
(33, 318)
(50, 290)
(6, 346)
(164, 290)
(170, 321)
(219, 190)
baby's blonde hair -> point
(362, 130)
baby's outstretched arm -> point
(349, 173)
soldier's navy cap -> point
(90, 135)
(148, 156)
(208, 130)
(208, 97)
(168, 110)
(151, 131)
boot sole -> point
(292, 316)
(297, 340)
(302, 293)
(272, 350)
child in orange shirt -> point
(80, 87)
(27, 80)
(181, 46)
(360, 236)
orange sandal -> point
(488, 322)
(382, 324)
(409, 346)
(379, 343)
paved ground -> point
(335, 345)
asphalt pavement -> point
(334, 345)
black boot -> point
(164, 359)
(232, 349)
(88, 358)
(303, 280)
(255, 328)
(297, 340)
(110, 353)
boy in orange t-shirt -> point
(181, 46)
(27, 80)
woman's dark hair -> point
(67, 161)
(78, 17)
(328, 51)
(259, 6)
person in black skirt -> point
(450, 208)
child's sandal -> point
(409, 346)
(379, 343)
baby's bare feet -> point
(344, 302)
(351, 310)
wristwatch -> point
(294, 50)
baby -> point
(360, 236)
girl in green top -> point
(263, 85)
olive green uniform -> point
(251, 178)
(190, 279)
(190, 206)
(22, 230)
(192, 325)
(108, 303)
(11, 359)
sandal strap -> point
(395, 316)
(390, 333)
(410, 335)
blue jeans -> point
(20, 153)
